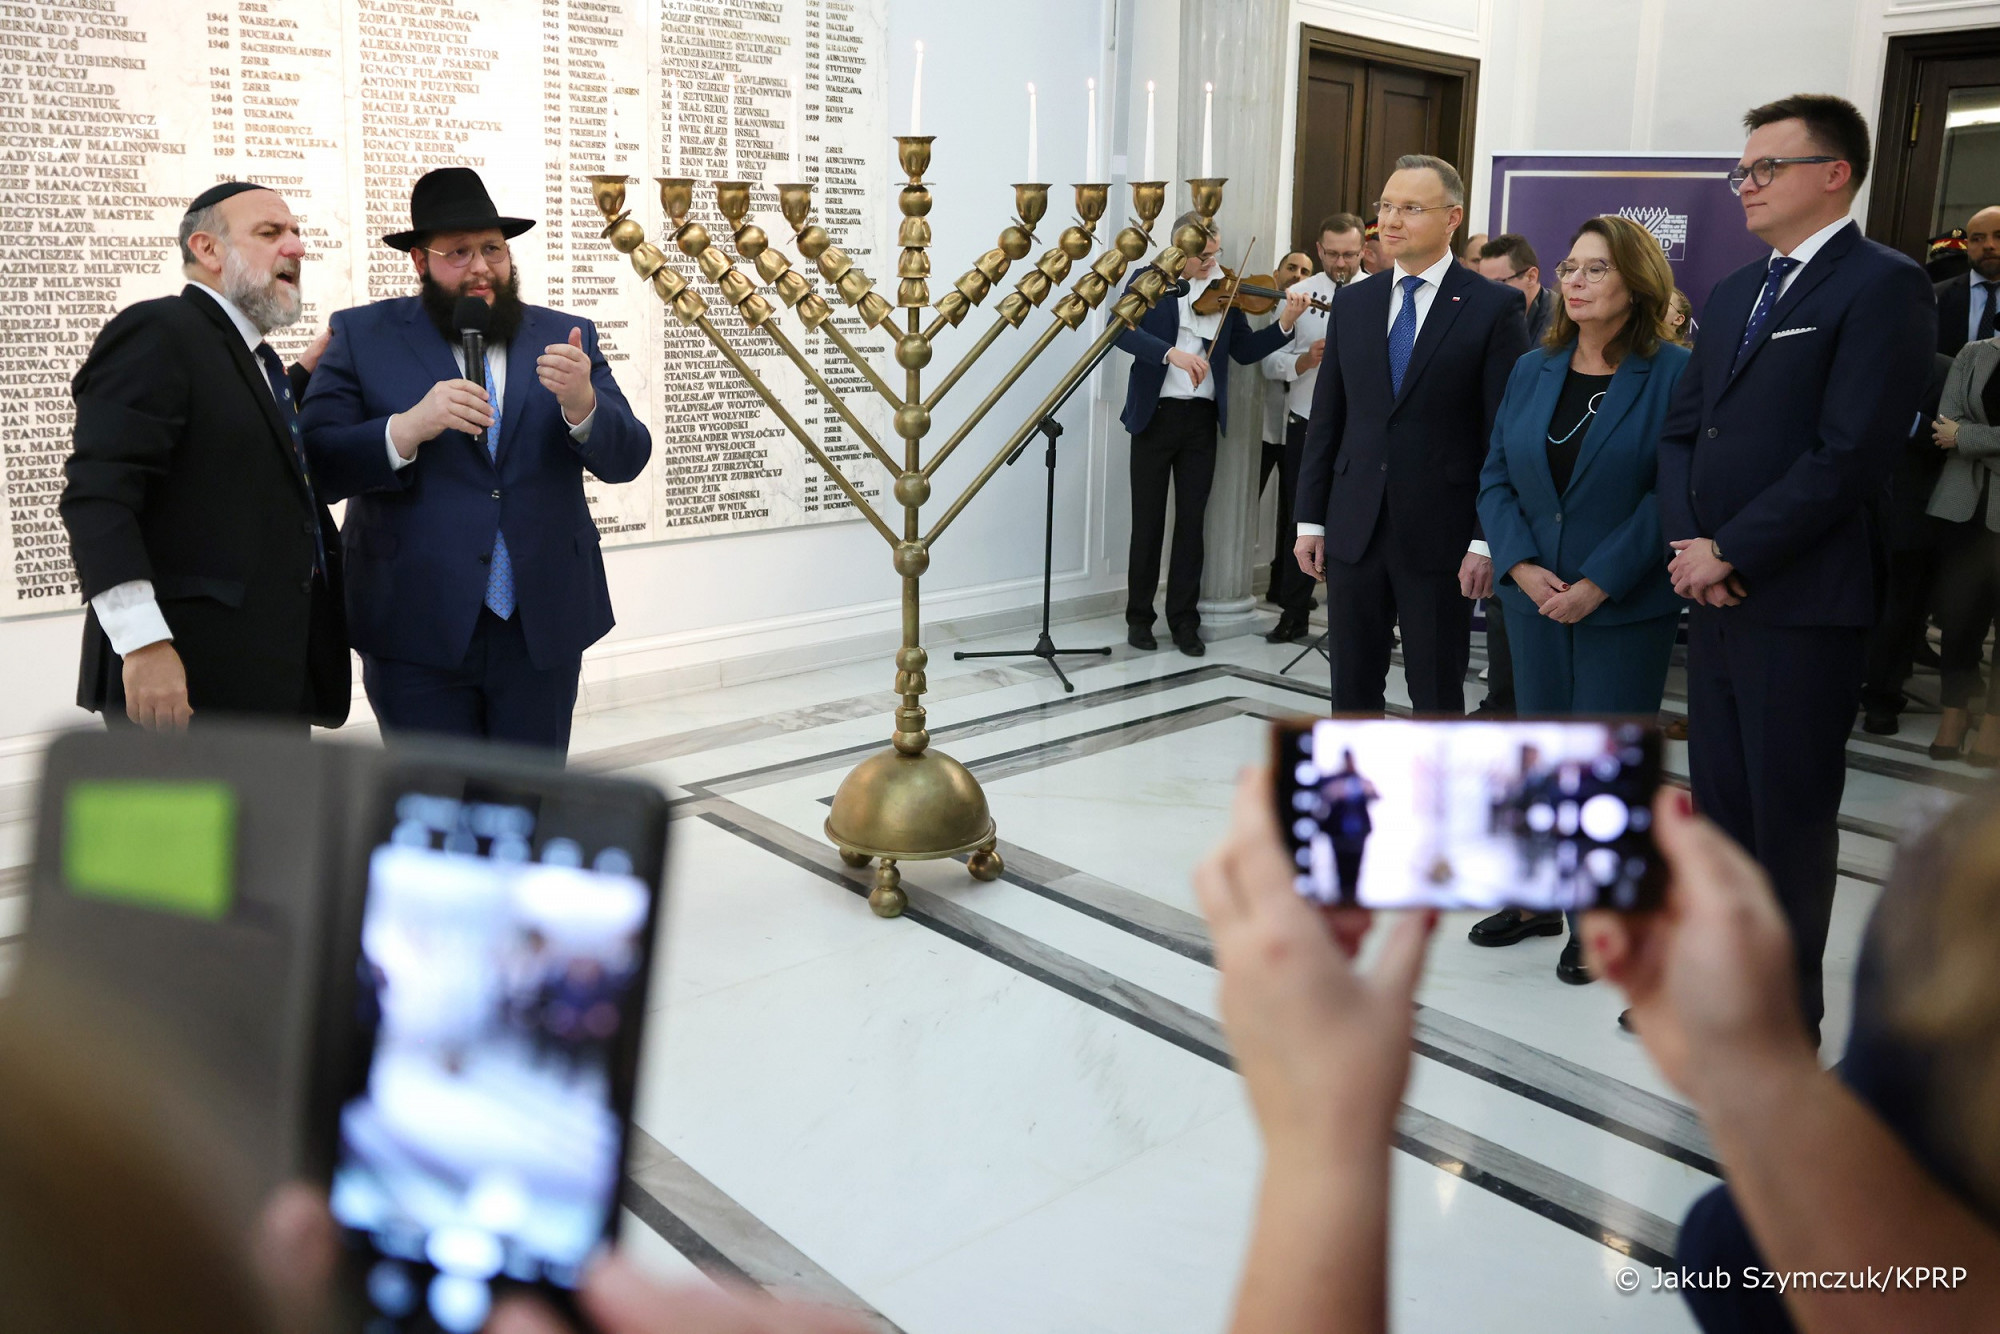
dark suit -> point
(183, 473)
(1394, 479)
(1784, 461)
(419, 540)
(1173, 440)
(1954, 305)
(1914, 544)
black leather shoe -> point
(1139, 636)
(1880, 722)
(1512, 924)
(1190, 645)
(1286, 631)
(1570, 967)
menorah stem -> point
(977, 350)
(1112, 329)
(998, 392)
(861, 363)
(791, 424)
(834, 401)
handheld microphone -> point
(1182, 287)
(470, 318)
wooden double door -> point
(1363, 104)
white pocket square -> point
(1788, 333)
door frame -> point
(1899, 120)
(1465, 69)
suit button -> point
(496, 495)
(307, 527)
(1559, 517)
(306, 584)
(1385, 467)
(1712, 433)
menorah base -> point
(894, 808)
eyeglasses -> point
(1516, 277)
(1592, 272)
(1765, 170)
(1386, 210)
(492, 252)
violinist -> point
(1175, 404)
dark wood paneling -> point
(1331, 119)
(1917, 81)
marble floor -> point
(1011, 1109)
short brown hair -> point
(1338, 223)
(1834, 124)
(1512, 247)
(1636, 254)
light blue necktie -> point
(1403, 334)
(500, 580)
(1773, 280)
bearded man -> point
(475, 580)
(208, 560)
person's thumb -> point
(1705, 864)
(576, 338)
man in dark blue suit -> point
(1176, 403)
(476, 580)
(1416, 362)
(1775, 463)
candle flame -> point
(920, 48)
(1090, 83)
(1149, 85)
(1208, 88)
(1031, 87)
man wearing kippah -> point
(208, 560)
(475, 577)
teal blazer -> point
(1606, 526)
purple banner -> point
(1685, 201)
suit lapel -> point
(1627, 386)
(253, 375)
(1542, 410)
(523, 351)
(1810, 277)
(1437, 323)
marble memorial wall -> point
(113, 113)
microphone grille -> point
(471, 315)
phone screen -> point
(497, 994)
(1419, 813)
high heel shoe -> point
(1945, 752)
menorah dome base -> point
(894, 807)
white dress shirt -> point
(1424, 297)
(129, 613)
(1192, 336)
(1283, 365)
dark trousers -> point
(1500, 697)
(1177, 446)
(1714, 1237)
(1366, 600)
(1892, 644)
(1967, 589)
(1769, 708)
(1291, 588)
(496, 694)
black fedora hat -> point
(452, 199)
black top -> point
(1989, 398)
(1582, 395)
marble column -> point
(1239, 46)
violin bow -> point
(1235, 283)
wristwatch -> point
(1715, 548)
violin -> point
(1254, 295)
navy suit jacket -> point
(1785, 462)
(1954, 300)
(1148, 344)
(418, 540)
(1605, 527)
(1418, 452)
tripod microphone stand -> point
(1045, 647)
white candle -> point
(798, 114)
(1148, 173)
(1090, 133)
(729, 134)
(917, 95)
(674, 131)
(1031, 132)
(1207, 130)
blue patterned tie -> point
(1403, 334)
(1773, 280)
(500, 580)
(281, 389)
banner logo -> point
(1670, 229)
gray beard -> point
(263, 302)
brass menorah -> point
(909, 803)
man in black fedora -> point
(205, 551)
(475, 580)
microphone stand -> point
(1045, 647)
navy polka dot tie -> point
(1773, 281)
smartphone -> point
(1550, 813)
(485, 1037)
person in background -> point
(1567, 505)
(1966, 502)
(1913, 538)
(1680, 320)
(1389, 478)
(1373, 260)
(206, 553)
(1468, 254)
(1289, 587)
(1969, 302)
(1774, 463)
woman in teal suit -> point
(1566, 501)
